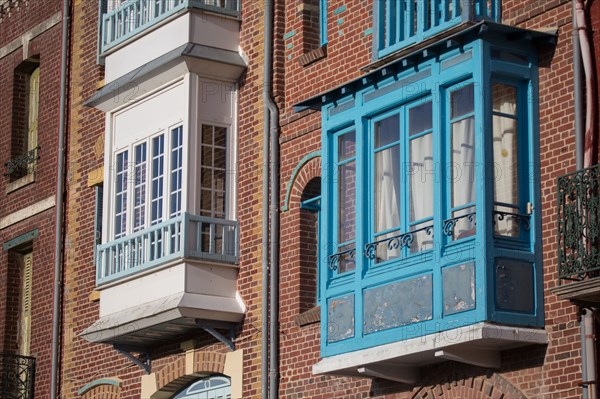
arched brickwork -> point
(107, 388)
(492, 386)
(173, 377)
(306, 170)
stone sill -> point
(311, 316)
(580, 291)
(20, 183)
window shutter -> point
(25, 316)
(34, 100)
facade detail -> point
(309, 198)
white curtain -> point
(505, 160)
(421, 187)
(387, 195)
(463, 159)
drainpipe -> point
(274, 209)
(60, 187)
(579, 126)
(588, 66)
(588, 364)
(270, 155)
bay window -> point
(428, 202)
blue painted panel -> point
(398, 304)
(459, 288)
(340, 318)
(514, 286)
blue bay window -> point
(430, 208)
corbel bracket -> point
(145, 363)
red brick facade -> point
(301, 70)
(29, 31)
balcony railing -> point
(402, 23)
(579, 224)
(17, 376)
(135, 16)
(186, 236)
(23, 164)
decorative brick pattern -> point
(173, 377)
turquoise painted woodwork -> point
(399, 24)
(185, 236)
(288, 190)
(135, 16)
(323, 22)
(473, 269)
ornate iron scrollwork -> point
(578, 205)
(449, 224)
(525, 220)
(399, 241)
(24, 161)
(334, 260)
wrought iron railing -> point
(578, 200)
(17, 376)
(402, 23)
(185, 236)
(23, 164)
(135, 16)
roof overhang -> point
(163, 320)
(479, 344)
(412, 54)
(208, 62)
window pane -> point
(346, 202)
(158, 167)
(462, 101)
(420, 118)
(506, 167)
(387, 131)
(347, 146)
(463, 162)
(121, 194)
(176, 170)
(464, 225)
(387, 189)
(213, 171)
(421, 178)
(504, 99)
(139, 190)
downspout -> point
(579, 126)
(270, 299)
(585, 143)
(274, 211)
(588, 66)
(60, 187)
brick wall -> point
(532, 372)
(16, 18)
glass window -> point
(462, 130)
(346, 201)
(216, 387)
(121, 194)
(506, 160)
(176, 170)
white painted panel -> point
(144, 118)
(215, 31)
(205, 279)
(147, 47)
(211, 280)
(190, 27)
(215, 101)
(143, 289)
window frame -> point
(130, 179)
(357, 110)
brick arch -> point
(493, 386)
(173, 377)
(105, 388)
(307, 169)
